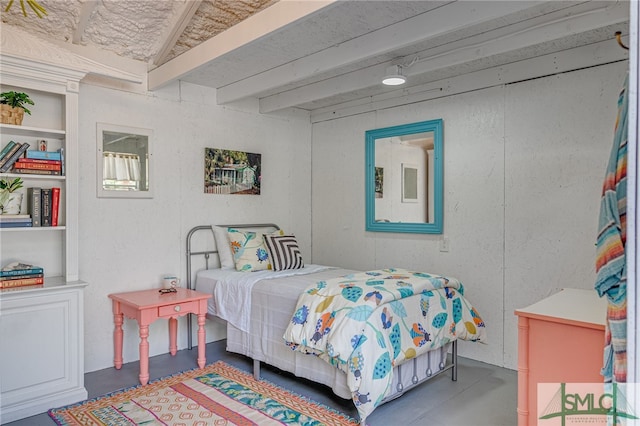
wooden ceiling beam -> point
(170, 37)
(515, 39)
(440, 20)
(265, 22)
(86, 10)
(571, 59)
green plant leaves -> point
(11, 185)
(16, 99)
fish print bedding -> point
(366, 323)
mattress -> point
(273, 302)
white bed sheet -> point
(273, 304)
(231, 290)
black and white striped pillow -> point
(284, 252)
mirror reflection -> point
(404, 178)
(124, 155)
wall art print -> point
(231, 172)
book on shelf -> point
(21, 288)
(17, 274)
(37, 172)
(13, 156)
(17, 266)
(6, 149)
(25, 270)
(61, 151)
(26, 224)
(14, 218)
(21, 282)
(38, 161)
(35, 166)
(55, 205)
(22, 276)
(34, 205)
(44, 205)
(44, 155)
(45, 218)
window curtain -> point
(121, 166)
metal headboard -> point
(207, 254)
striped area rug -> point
(216, 395)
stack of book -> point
(10, 154)
(20, 275)
(39, 162)
(43, 205)
(17, 158)
(15, 220)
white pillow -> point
(249, 252)
(224, 247)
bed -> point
(261, 307)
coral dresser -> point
(560, 340)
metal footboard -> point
(428, 374)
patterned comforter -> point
(366, 323)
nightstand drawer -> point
(177, 309)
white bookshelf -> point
(42, 328)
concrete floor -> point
(483, 395)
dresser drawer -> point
(177, 309)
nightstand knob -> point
(176, 308)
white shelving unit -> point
(42, 328)
(54, 251)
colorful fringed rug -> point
(218, 394)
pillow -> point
(224, 247)
(249, 252)
(284, 252)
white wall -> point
(523, 172)
(128, 244)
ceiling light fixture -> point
(394, 76)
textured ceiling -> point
(136, 29)
(213, 17)
(318, 55)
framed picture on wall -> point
(231, 172)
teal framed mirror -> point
(404, 178)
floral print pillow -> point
(249, 252)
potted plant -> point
(10, 200)
(13, 105)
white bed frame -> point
(406, 376)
